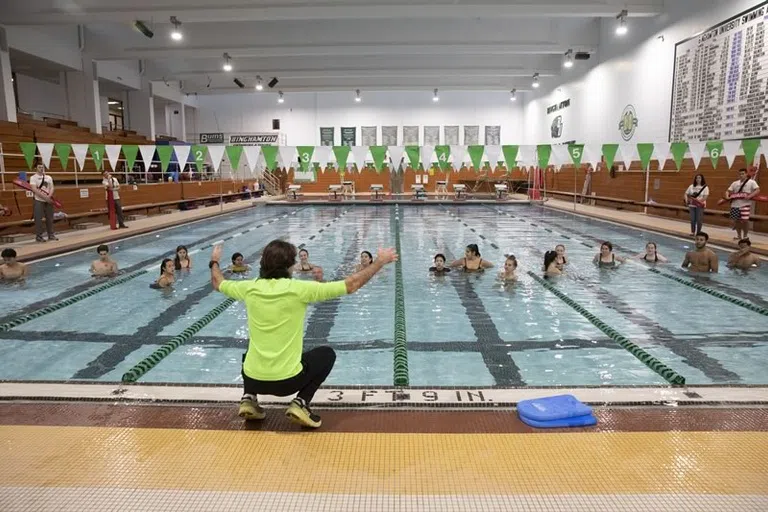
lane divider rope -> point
(651, 362)
(400, 364)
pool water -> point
(462, 329)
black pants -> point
(118, 212)
(43, 209)
(316, 366)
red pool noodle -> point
(26, 186)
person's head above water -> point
(472, 251)
(366, 258)
(510, 263)
(560, 251)
(103, 252)
(650, 248)
(549, 258)
(304, 255)
(606, 248)
(166, 266)
(8, 255)
(277, 259)
(237, 259)
(439, 261)
(181, 254)
(744, 243)
(701, 239)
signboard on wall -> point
(253, 139)
(410, 135)
(368, 135)
(326, 136)
(492, 135)
(719, 81)
(431, 135)
(451, 135)
(348, 136)
(557, 116)
(389, 135)
(211, 138)
(471, 135)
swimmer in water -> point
(744, 258)
(561, 260)
(366, 259)
(104, 266)
(550, 264)
(651, 254)
(238, 266)
(703, 259)
(305, 266)
(508, 275)
(439, 268)
(472, 262)
(606, 258)
(167, 277)
(12, 270)
(182, 259)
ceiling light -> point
(113, 102)
(357, 96)
(280, 98)
(568, 62)
(227, 62)
(143, 28)
(621, 28)
(239, 83)
(513, 95)
(435, 97)
(535, 83)
(259, 85)
(176, 34)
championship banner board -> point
(253, 139)
(349, 136)
(368, 135)
(410, 135)
(389, 135)
(471, 135)
(492, 135)
(327, 135)
(451, 135)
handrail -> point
(662, 206)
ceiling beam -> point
(498, 72)
(119, 12)
(336, 88)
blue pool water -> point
(462, 329)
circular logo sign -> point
(628, 122)
(556, 130)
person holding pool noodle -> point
(276, 305)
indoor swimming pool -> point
(461, 329)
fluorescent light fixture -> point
(176, 34)
(621, 28)
(227, 63)
(280, 98)
(568, 61)
(357, 96)
(435, 96)
(513, 95)
(259, 84)
(535, 83)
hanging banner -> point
(327, 135)
(198, 155)
(287, 156)
(63, 149)
(609, 152)
(715, 151)
(360, 154)
(396, 155)
(459, 154)
(750, 147)
(97, 153)
(543, 153)
(211, 138)
(46, 152)
(410, 135)
(368, 136)
(147, 154)
(443, 156)
(426, 156)
(593, 154)
(305, 157)
(270, 156)
(628, 154)
(164, 153)
(476, 156)
(431, 137)
(645, 152)
(697, 152)
(493, 154)
(182, 155)
(526, 156)
(29, 149)
(378, 153)
(389, 135)
(510, 156)
(253, 139)
(414, 156)
(560, 156)
(233, 154)
(577, 153)
(492, 136)
(731, 150)
(341, 153)
(348, 136)
(660, 153)
(451, 135)
(113, 155)
(216, 152)
(471, 135)
(130, 151)
(322, 156)
(678, 150)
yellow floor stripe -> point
(578, 463)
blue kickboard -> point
(575, 421)
(553, 408)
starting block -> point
(459, 192)
(418, 192)
(501, 191)
(334, 191)
(348, 188)
(441, 189)
(294, 192)
(377, 192)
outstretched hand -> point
(387, 255)
(216, 254)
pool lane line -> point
(705, 289)
(400, 350)
(135, 270)
(651, 362)
(149, 362)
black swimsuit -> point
(479, 268)
(442, 271)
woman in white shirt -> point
(696, 200)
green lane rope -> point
(64, 303)
(161, 353)
(714, 293)
(401, 344)
(651, 362)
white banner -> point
(560, 155)
(287, 155)
(697, 150)
(425, 155)
(147, 154)
(593, 155)
(661, 152)
(459, 155)
(396, 155)
(359, 156)
(216, 152)
(81, 150)
(526, 155)
(628, 154)
(113, 154)
(731, 148)
(252, 154)
(322, 155)
(492, 153)
(46, 151)
(182, 155)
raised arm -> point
(216, 276)
(486, 264)
(359, 278)
(457, 263)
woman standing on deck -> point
(696, 199)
